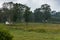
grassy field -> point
(34, 31)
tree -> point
(46, 10)
(38, 15)
(7, 10)
(42, 14)
(14, 11)
(31, 16)
(26, 15)
(1, 16)
(4, 13)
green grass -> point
(21, 35)
(34, 31)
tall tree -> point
(46, 10)
(26, 15)
(38, 15)
(42, 14)
(7, 8)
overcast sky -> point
(55, 4)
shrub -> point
(5, 35)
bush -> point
(5, 35)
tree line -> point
(17, 12)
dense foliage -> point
(16, 12)
(5, 35)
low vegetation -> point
(34, 31)
(5, 35)
(37, 27)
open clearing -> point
(34, 31)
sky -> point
(33, 4)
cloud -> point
(37, 3)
